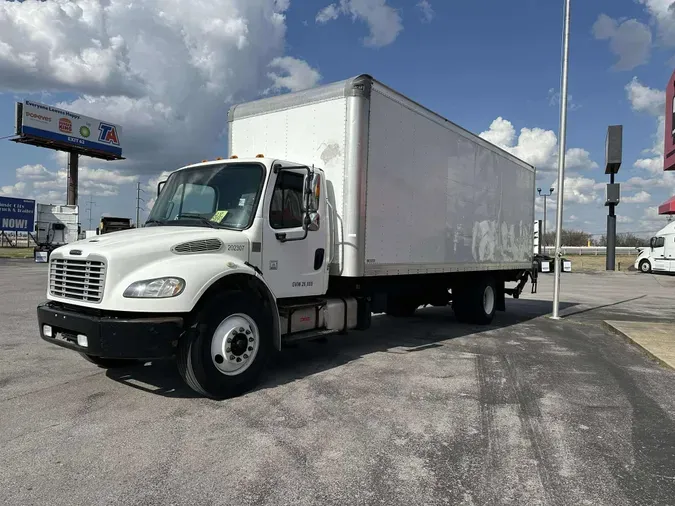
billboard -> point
(17, 215)
(48, 126)
(669, 141)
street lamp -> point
(545, 195)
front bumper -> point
(110, 336)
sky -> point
(167, 71)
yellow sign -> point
(219, 216)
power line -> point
(91, 205)
(138, 204)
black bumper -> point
(110, 336)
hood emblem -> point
(75, 252)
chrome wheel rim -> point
(235, 344)
(488, 300)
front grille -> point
(77, 279)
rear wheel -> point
(645, 266)
(228, 346)
(477, 302)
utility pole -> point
(89, 208)
(138, 204)
(545, 195)
(562, 138)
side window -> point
(660, 242)
(286, 205)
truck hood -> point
(146, 240)
(197, 255)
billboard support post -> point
(73, 165)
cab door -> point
(669, 251)
(658, 254)
(294, 256)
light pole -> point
(545, 195)
(561, 162)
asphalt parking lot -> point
(423, 411)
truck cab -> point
(659, 256)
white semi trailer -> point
(334, 203)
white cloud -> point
(554, 100)
(577, 158)
(652, 220)
(536, 146)
(15, 190)
(384, 22)
(51, 197)
(630, 40)
(662, 13)
(428, 13)
(645, 99)
(652, 165)
(167, 71)
(641, 197)
(33, 172)
(297, 74)
(328, 13)
(581, 190)
(624, 219)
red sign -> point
(667, 207)
(65, 125)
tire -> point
(218, 359)
(645, 267)
(477, 302)
(109, 363)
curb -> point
(636, 345)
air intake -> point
(201, 246)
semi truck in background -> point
(55, 226)
(113, 224)
(333, 204)
(659, 256)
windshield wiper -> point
(159, 222)
(197, 217)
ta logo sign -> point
(108, 134)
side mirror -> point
(313, 192)
(312, 222)
(160, 185)
(652, 242)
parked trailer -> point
(335, 203)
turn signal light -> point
(233, 157)
(260, 156)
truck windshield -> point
(218, 196)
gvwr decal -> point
(235, 247)
(300, 284)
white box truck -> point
(333, 204)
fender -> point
(244, 276)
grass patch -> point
(16, 252)
(582, 263)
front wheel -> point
(227, 347)
(645, 267)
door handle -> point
(281, 236)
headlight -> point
(160, 288)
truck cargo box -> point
(413, 193)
